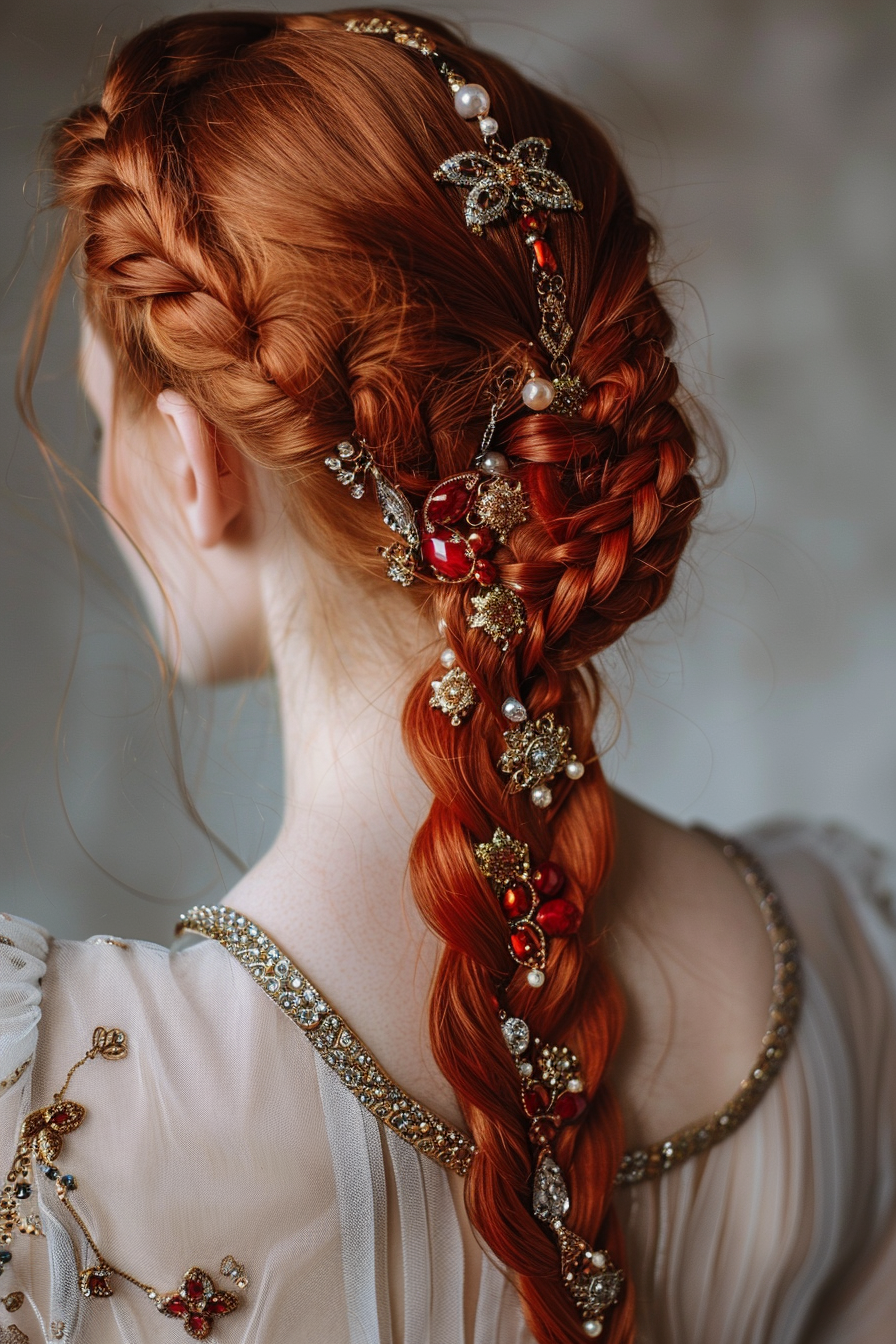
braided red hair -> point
(290, 266)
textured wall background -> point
(762, 135)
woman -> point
(340, 331)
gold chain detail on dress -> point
(330, 1035)
(647, 1163)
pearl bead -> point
(574, 1085)
(598, 1258)
(542, 796)
(593, 1329)
(471, 100)
(488, 126)
(538, 393)
(535, 978)
(514, 710)
(494, 464)
(525, 1068)
(448, 658)
(442, 626)
(575, 769)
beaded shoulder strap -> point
(330, 1035)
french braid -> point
(291, 267)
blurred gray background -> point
(763, 137)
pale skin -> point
(685, 937)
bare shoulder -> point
(688, 944)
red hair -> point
(254, 202)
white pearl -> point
(593, 1329)
(542, 796)
(514, 710)
(574, 1085)
(448, 658)
(494, 464)
(535, 978)
(488, 126)
(443, 626)
(471, 100)
(525, 1068)
(538, 393)
(575, 769)
(599, 1259)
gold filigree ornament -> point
(570, 394)
(500, 613)
(352, 464)
(11, 1334)
(503, 181)
(13, 1301)
(535, 753)
(503, 859)
(501, 506)
(455, 695)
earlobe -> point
(213, 490)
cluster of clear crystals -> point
(516, 1033)
(550, 1197)
(556, 1064)
(534, 753)
(330, 1036)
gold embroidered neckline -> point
(343, 1050)
(331, 1036)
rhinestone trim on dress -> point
(331, 1036)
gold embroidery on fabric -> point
(330, 1035)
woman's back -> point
(783, 1232)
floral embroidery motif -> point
(198, 1304)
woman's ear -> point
(212, 481)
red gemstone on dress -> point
(59, 1118)
(549, 880)
(481, 541)
(535, 1099)
(570, 1106)
(544, 256)
(449, 501)
(516, 901)
(217, 1306)
(524, 942)
(559, 919)
(199, 1325)
(447, 554)
(176, 1306)
(96, 1283)
(194, 1288)
(485, 572)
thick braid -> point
(289, 264)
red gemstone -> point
(176, 1306)
(559, 918)
(481, 541)
(96, 1283)
(447, 554)
(536, 1098)
(544, 256)
(570, 1106)
(524, 942)
(194, 1288)
(543, 1129)
(516, 901)
(217, 1306)
(199, 1325)
(549, 880)
(449, 501)
(59, 1118)
(485, 572)
(536, 221)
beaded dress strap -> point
(345, 1053)
(337, 1044)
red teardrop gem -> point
(447, 554)
(59, 1118)
(481, 541)
(199, 1325)
(549, 880)
(542, 1130)
(449, 501)
(485, 572)
(536, 221)
(544, 256)
(176, 1306)
(570, 1106)
(559, 918)
(217, 1307)
(524, 942)
(194, 1289)
(535, 1099)
(516, 901)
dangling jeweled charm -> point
(455, 695)
(535, 753)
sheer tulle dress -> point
(225, 1132)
